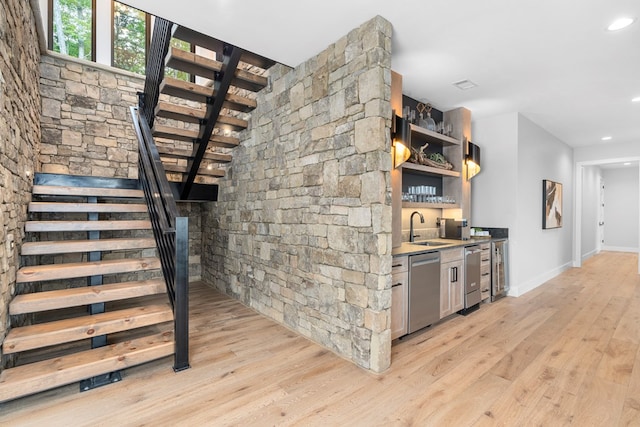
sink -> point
(430, 243)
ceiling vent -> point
(464, 84)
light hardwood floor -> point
(566, 353)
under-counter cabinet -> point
(451, 281)
(485, 271)
(399, 296)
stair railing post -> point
(181, 313)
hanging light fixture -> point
(401, 140)
(473, 160)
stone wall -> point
(302, 228)
(19, 137)
(87, 128)
(86, 124)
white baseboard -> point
(529, 285)
(619, 249)
(589, 255)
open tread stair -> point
(35, 377)
(196, 115)
(199, 65)
(187, 135)
(196, 38)
(74, 329)
(223, 87)
(204, 170)
(53, 348)
(199, 93)
(74, 246)
(87, 207)
(185, 154)
(39, 273)
(73, 297)
(59, 190)
(44, 226)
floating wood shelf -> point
(426, 135)
(428, 170)
(421, 205)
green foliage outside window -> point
(129, 38)
(72, 35)
(177, 74)
(72, 28)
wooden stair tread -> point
(199, 65)
(32, 378)
(63, 298)
(169, 132)
(86, 207)
(186, 90)
(200, 93)
(202, 171)
(73, 246)
(38, 273)
(188, 154)
(42, 226)
(78, 328)
(215, 45)
(195, 115)
(60, 190)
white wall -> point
(590, 200)
(492, 196)
(542, 254)
(516, 156)
(606, 152)
(621, 209)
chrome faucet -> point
(411, 235)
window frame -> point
(93, 28)
(147, 31)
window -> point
(177, 74)
(130, 38)
(120, 38)
(72, 28)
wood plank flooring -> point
(567, 353)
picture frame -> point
(551, 204)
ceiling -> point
(551, 60)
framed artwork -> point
(551, 204)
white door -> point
(601, 215)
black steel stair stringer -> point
(222, 83)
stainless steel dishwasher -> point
(424, 290)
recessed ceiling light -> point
(607, 138)
(621, 23)
(464, 84)
(636, 99)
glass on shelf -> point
(426, 194)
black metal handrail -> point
(155, 67)
(171, 233)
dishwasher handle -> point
(424, 259)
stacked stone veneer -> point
(19, 137)
(87, 129)
(86, 124)
(302, 228)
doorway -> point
(578, 199)
(600, 242)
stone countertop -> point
(407, 248)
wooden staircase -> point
(195, 123)
(95, 232)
